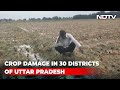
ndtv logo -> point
(105, 17)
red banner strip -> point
(49, 71)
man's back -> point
(66, 42)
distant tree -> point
(32, 19)
(38, 18)
(101, 12)
(59, 18)
(24, 20)
(55, 18)
(44, 18)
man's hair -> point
(62, 33)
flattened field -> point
(100, 40)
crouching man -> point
(66, 43)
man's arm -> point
(75, 41)
(57, 40)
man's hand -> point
(81, 50)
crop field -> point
(100, 40)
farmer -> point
(66, 43)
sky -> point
(39, 14)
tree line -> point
(93, 16)
(89, 16)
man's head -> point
(62, 34)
